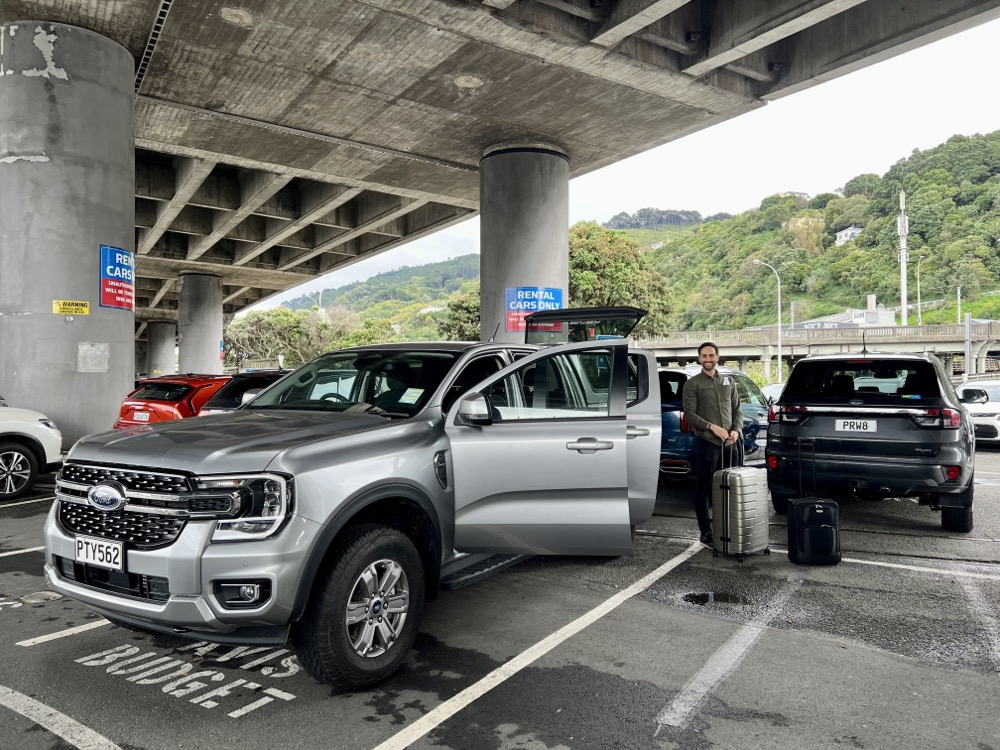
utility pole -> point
(960, 305)
(902, 229)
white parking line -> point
(63, 633)
(28, 502)
(925, 569)
(984, 611)
(75, 733)
(449, 708)
(21, 551)
(721, 664)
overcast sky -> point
(810, 142)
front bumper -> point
(192, 568)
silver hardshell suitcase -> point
(740, 511)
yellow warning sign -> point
(70, 307)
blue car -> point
(677, 441)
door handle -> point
(590, 445)
(633, 432)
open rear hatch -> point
(580, 324)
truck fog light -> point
(66, 568)
(242, 594)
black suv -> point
(874, 426)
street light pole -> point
(920, 316)
(758, 262)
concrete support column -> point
(67, 188)
(766, 361)
(743, 363)
(162, 337)
(949, 364)
(524, 239)
(199, 323)
(141, 357)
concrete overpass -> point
(240, 149)
(946, 341)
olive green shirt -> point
(710, 400)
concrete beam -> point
(255, 189)
(317, 201)
(165, 287)
(499, 4)
(745, 26)
(331, 245)
(188, 176)
(630, 17)
(870, 33)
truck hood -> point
(243, 441)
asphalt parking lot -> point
(897, 647)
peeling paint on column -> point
(29, 157)
(46, 44)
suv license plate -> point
(140, 416)
(99, 552)
(856, 425)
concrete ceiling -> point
(276, 141)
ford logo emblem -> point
(107, 496)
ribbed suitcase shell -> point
(740, 511)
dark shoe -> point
(706, 540)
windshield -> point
(394, 382)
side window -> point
(750, 393)
(474, 372)
(553, 388)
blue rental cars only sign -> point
(524, 300)
(117, 278)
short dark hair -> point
(708, 343)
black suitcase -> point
(813, 523)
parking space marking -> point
(21, 551)
(63, 633)
(984, 612)
(925, 569)
(75, 733)
(722, 663)
(452, 706)
(28, 502)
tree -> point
(864, 184)
(460, 320)
(607, 268)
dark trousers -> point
(706, 457)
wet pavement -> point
(896, 647)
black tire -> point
(960, 519)
(779, 501)
(18, 471)
(323, 637)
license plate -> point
(140, 416)
(856, 425)
(100, 552)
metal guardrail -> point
(802, 336)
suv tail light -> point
(938, 418)
(684, 424)
(787, 414)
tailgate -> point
(868, 430)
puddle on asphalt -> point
(715, 597)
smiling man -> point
(712, 407)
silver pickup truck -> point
(330, 508)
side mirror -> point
(249, 395)
(973, 396)
(474, 409)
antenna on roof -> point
(495, 332)
(864, 346)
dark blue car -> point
(677, 439)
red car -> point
(168, 397)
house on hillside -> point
(846, 235)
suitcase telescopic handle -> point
(811, 442)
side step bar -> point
(479, 569)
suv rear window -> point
(887, 381)
(161, 392)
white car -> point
(30, 444)
(985, 412)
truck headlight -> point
(263, 502)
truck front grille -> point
(140, 481)
(137, 530)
